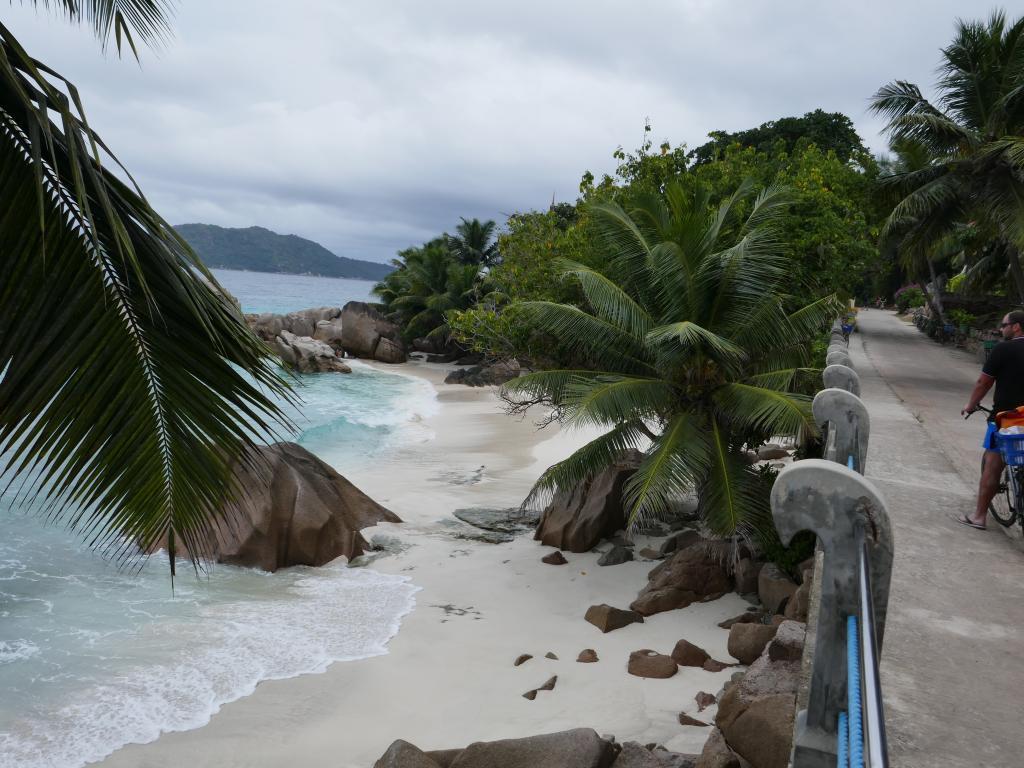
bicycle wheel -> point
(1003, 506)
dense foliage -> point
(695, 352)
(260, 250)
(959, 179)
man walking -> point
(1005, 369)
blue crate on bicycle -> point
(1011, 445)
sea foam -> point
(175, 669)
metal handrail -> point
(876, 750)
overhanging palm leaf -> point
(128, 383)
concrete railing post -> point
(843, 509)
(838, 357)
(848, 424)
(841, 377)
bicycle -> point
(1007, 506)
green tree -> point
(697, 355)
(428, 284)
(829, 131)
(975, 137)
(129, 383)
(474, 243)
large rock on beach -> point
(691, 575)
(579, 517)
(293, 510)
(747, 641)
(716, 753)
(329, 332)
(362, 328)
(578, 748)
(606, 618)
(388, 351)
(774, 587)
(307, 355)
(485, 375)
(402, 754)
(507, 520)
(648, 663)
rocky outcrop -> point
(755, 714)
(579, 517)
(329, 332)
(485, 375)
(607, 619)
(691, 575)
(307, 355)
(510, 520)
(294, 510)
(363, 327)
(268, 325)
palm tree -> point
(427, 285)
(128, 383)
(695, 354)
(474, 243)
(974, 136)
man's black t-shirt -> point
(1006, 365)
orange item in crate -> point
(1014, 418)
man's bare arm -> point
(981, 388)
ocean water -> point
(262, 292)
(93, 657)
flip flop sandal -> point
(964, 520)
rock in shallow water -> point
(295, 510)
(508, 520)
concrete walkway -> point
(952, 660)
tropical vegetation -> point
(959, 184)
(129, 383)
(696, 352)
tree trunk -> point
(935, 295)
(1013, 256)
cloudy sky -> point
(372, 126)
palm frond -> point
(584, 463)
(764, 410)
(146, 385)
(608, 400)
(673, 466)
(610, 302)
(732, 500)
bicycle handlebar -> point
(980, 407)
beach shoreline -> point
(448, 677)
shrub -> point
(908, 297)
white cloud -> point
(370, 128)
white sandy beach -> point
(448, 678)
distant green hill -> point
(259, 250)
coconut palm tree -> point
(474, 243)
(974, 135)
(428, 284)
(128, 383)
(695, 354)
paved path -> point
(953, 656)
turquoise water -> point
(93, 657)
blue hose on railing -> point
(853, 703)
(843, 753)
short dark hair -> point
(1016, 316)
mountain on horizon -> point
(257, 249)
